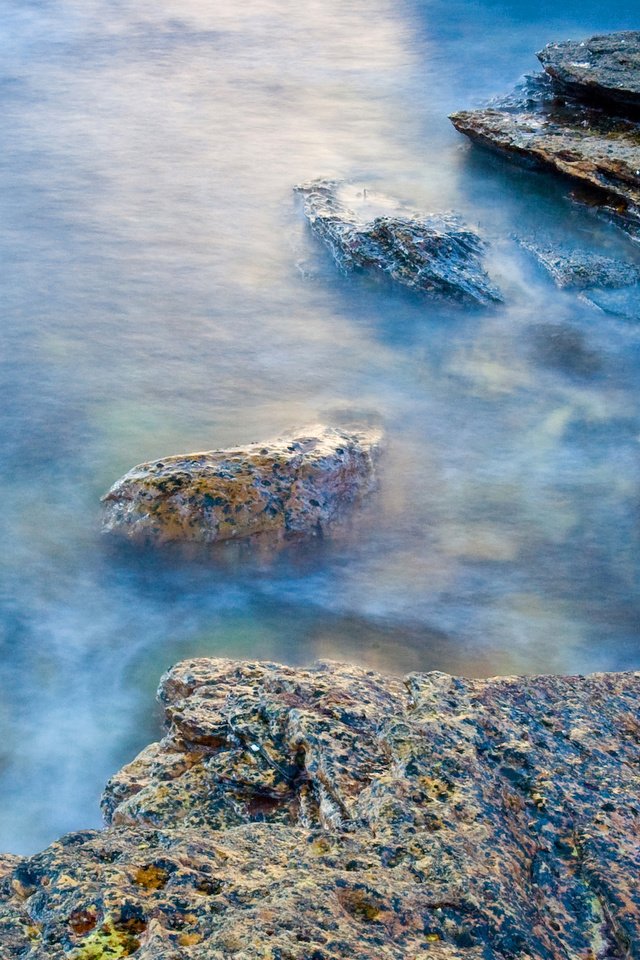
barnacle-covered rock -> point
(541, 124)
(295, 484)
(430, 254)
(604, 67)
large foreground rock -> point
(429, 254)
(543, 125)
(295, 484)
(331, 812)
(605, 67)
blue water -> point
(161, 293)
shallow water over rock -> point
(162, 293)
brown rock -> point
(602, 154)
(297, 484)
(331, 812)
(541, 125)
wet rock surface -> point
(581, 270)
(543, 124)
(332, 812)
(296, 484)
(605, 67)
(430, 254)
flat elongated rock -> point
(323, 813)
(604, 67)
(544, 127)
(296, 484)
(603, 154)
(430, 254)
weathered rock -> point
(7, 863)
(430, 254)
(540, 126)
(297, 484)
(604, 67)
(331, 812)
(580, 269)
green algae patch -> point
(106, 943)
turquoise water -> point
(161, 293)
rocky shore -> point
(331, 812)
(321, 813)
(580, 118)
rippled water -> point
(162, 293)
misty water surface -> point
(161, 293)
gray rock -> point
(295, 484)
(605, 67)
(580, 269)
(430, 254)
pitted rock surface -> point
(295, 484)
(430, 254)
(605, 67)
(316, 814)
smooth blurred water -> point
(161, 293)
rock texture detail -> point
(605, 67)
(429, 254)
(332, 812)
(297, 484)
(562, 128)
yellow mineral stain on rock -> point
(151, 877)
(190, 939)
(107, 943)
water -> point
(161, 293)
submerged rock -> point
(542, 125)
(430, 254)
(296, 484)
(564, 348)
(580, 270)
(623, 303)
(604, 67)
(315, 814)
